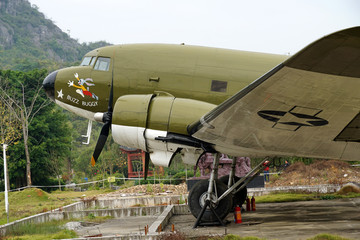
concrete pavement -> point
(291, 220)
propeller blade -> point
(147, 162)
(101, 142)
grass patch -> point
(284, 197)
(127, 184)
(317, 237)
(325, 236)
(294, 197)
(138, 205)
(48, 230)
(33, 201)
(69, 194)
(64, 234)
(94, 219)
(235, 237)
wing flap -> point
(351, 133)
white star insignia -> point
(60, 94)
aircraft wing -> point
(307, 106)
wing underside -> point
(308, 106)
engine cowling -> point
(140, 121)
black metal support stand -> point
(198, 220)
(212, 182)
(212, 185)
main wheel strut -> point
(210, 201)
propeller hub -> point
(107, 117)
(99, 116)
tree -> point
(25, 105)
(49, 132)
(57, 151)
(9, 125)
(45, 128)
(10, 131)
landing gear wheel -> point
(240, 197)
(198, 195)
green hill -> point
(28, 40)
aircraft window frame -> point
(218, 86)
(92, 62)
(86, 61)
(102, 64)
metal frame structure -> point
(212, 199)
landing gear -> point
(197, 200)
(239, 197)
(210, 201)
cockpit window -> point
(92, 61)
(102, 64)
(85, 61)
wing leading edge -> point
(307, 106)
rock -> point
(348, 188)
(73, 225)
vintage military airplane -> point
(190, 100)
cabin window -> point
(85, 61)
(102, 64)
(218, 86)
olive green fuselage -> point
(209, 75)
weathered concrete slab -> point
(162, 220)
(324, 188)
(119, 226)
(116, 213)
(125, 202)
(297, 220)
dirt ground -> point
(320, 172)
(152, 189)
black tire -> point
(196, 197)
(240, 197)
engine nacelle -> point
(140, 120)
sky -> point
(272, 26)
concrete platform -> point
(119, 226)
(297, 220)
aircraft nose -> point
(49, 85)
